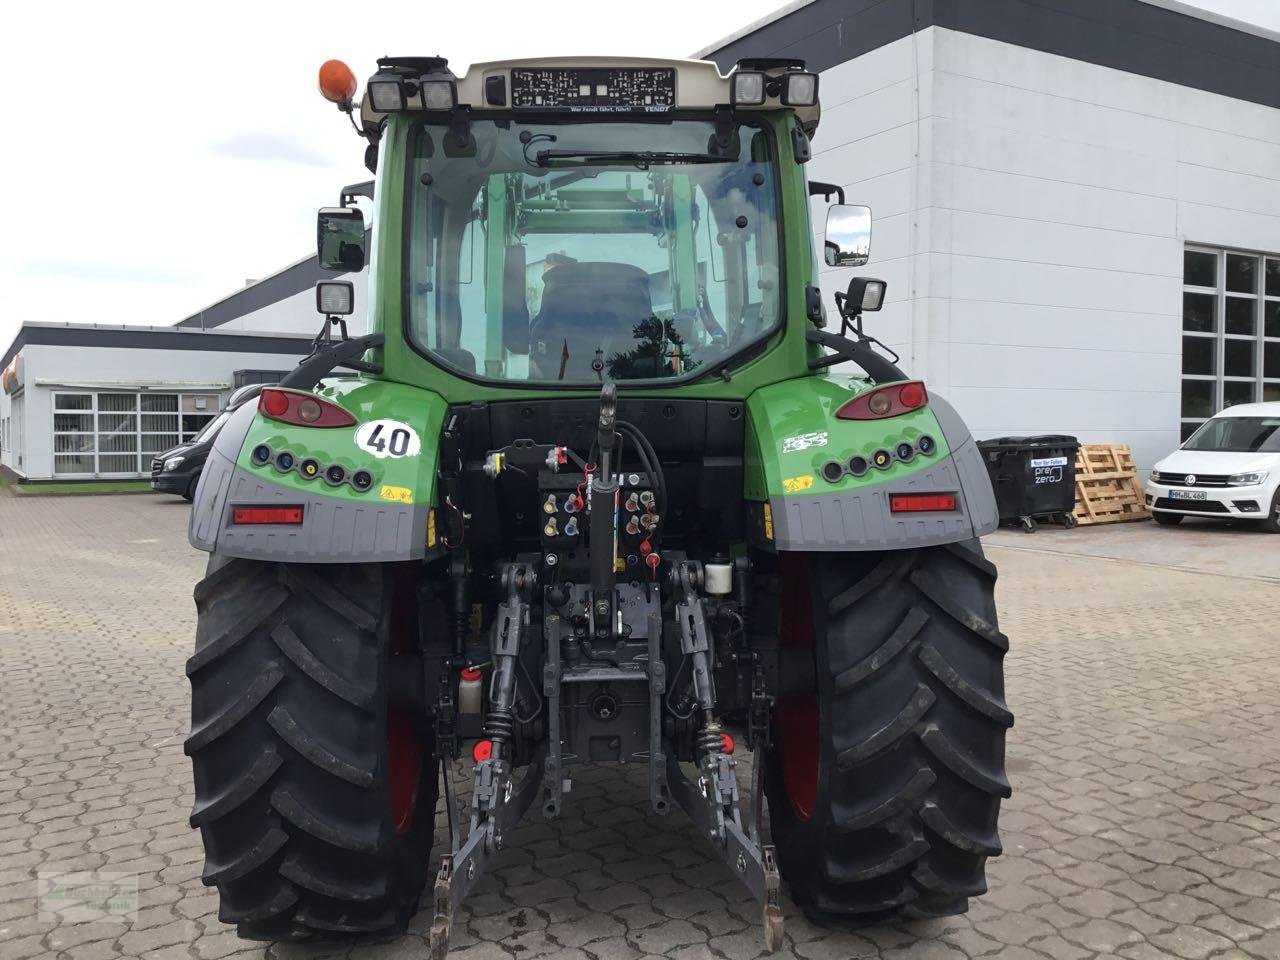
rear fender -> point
(793, 431)
(392, 520)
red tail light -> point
(921, 502)
(301, 409)
(292, 515)
(882, 402)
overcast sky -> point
(157, 155)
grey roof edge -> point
(751, 27)
(1167, 40)
(1212, 16)
(293, 279)
(43, 333)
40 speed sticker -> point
(388, 438)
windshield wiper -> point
(639, 158)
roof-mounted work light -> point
(748, 87)
(386, 92)
(438, 94)
(800, 89)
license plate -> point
(1188, 495)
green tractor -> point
(595, 489)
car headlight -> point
(172, 463)
(1247, 479)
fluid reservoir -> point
(719, 576)
(470, 691)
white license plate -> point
(1188, 495)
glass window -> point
(602, 259)
(1200, 269)
(1271, 313)
(1198, 355)
(1231, 342)
(1271, 391)
(1238, 435)
(73, 401)
(1237, 358)
(1237, 391)
(1241, 316)
(160, 402)
(1197, 399)
(1242, 273)
(1198, 311)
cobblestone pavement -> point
(1145, 820)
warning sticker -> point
(797, 484)
(397, 494)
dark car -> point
(177, 470)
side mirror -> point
(848, 236)
(340, 239)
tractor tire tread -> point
(288, 745)
(912, 723)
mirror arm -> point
(877, 367)
(349, 193)
(819, 189)
(340, 353)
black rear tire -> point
(884, 786)
(298, 757)
(1166, 519)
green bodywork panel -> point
(408, 479)
(793, 430)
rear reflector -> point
(888, 401)
(266, 515)
(921, 502)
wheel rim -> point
(405, 749)
(796, 716)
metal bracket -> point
(753, 864)
(659, 792)
(498, 811)
(553, 776)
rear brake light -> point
(921, 502)
(302, 409)
(889, 401)
(243, 515)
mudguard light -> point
(247, 515)
(921, 502)
(890, 401)
(302, 409)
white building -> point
(1075, 201)
(1077, 211)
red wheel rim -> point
(796, 716)
(405, 748)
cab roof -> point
(492, 86)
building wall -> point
(49, 368)
(1031, 216)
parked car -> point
(1228, 470)
(177, 470)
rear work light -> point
(302, 409)
(245, 515)
(921, 502)
(890, 401)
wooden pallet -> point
(1107, 488)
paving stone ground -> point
(1145, 820)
